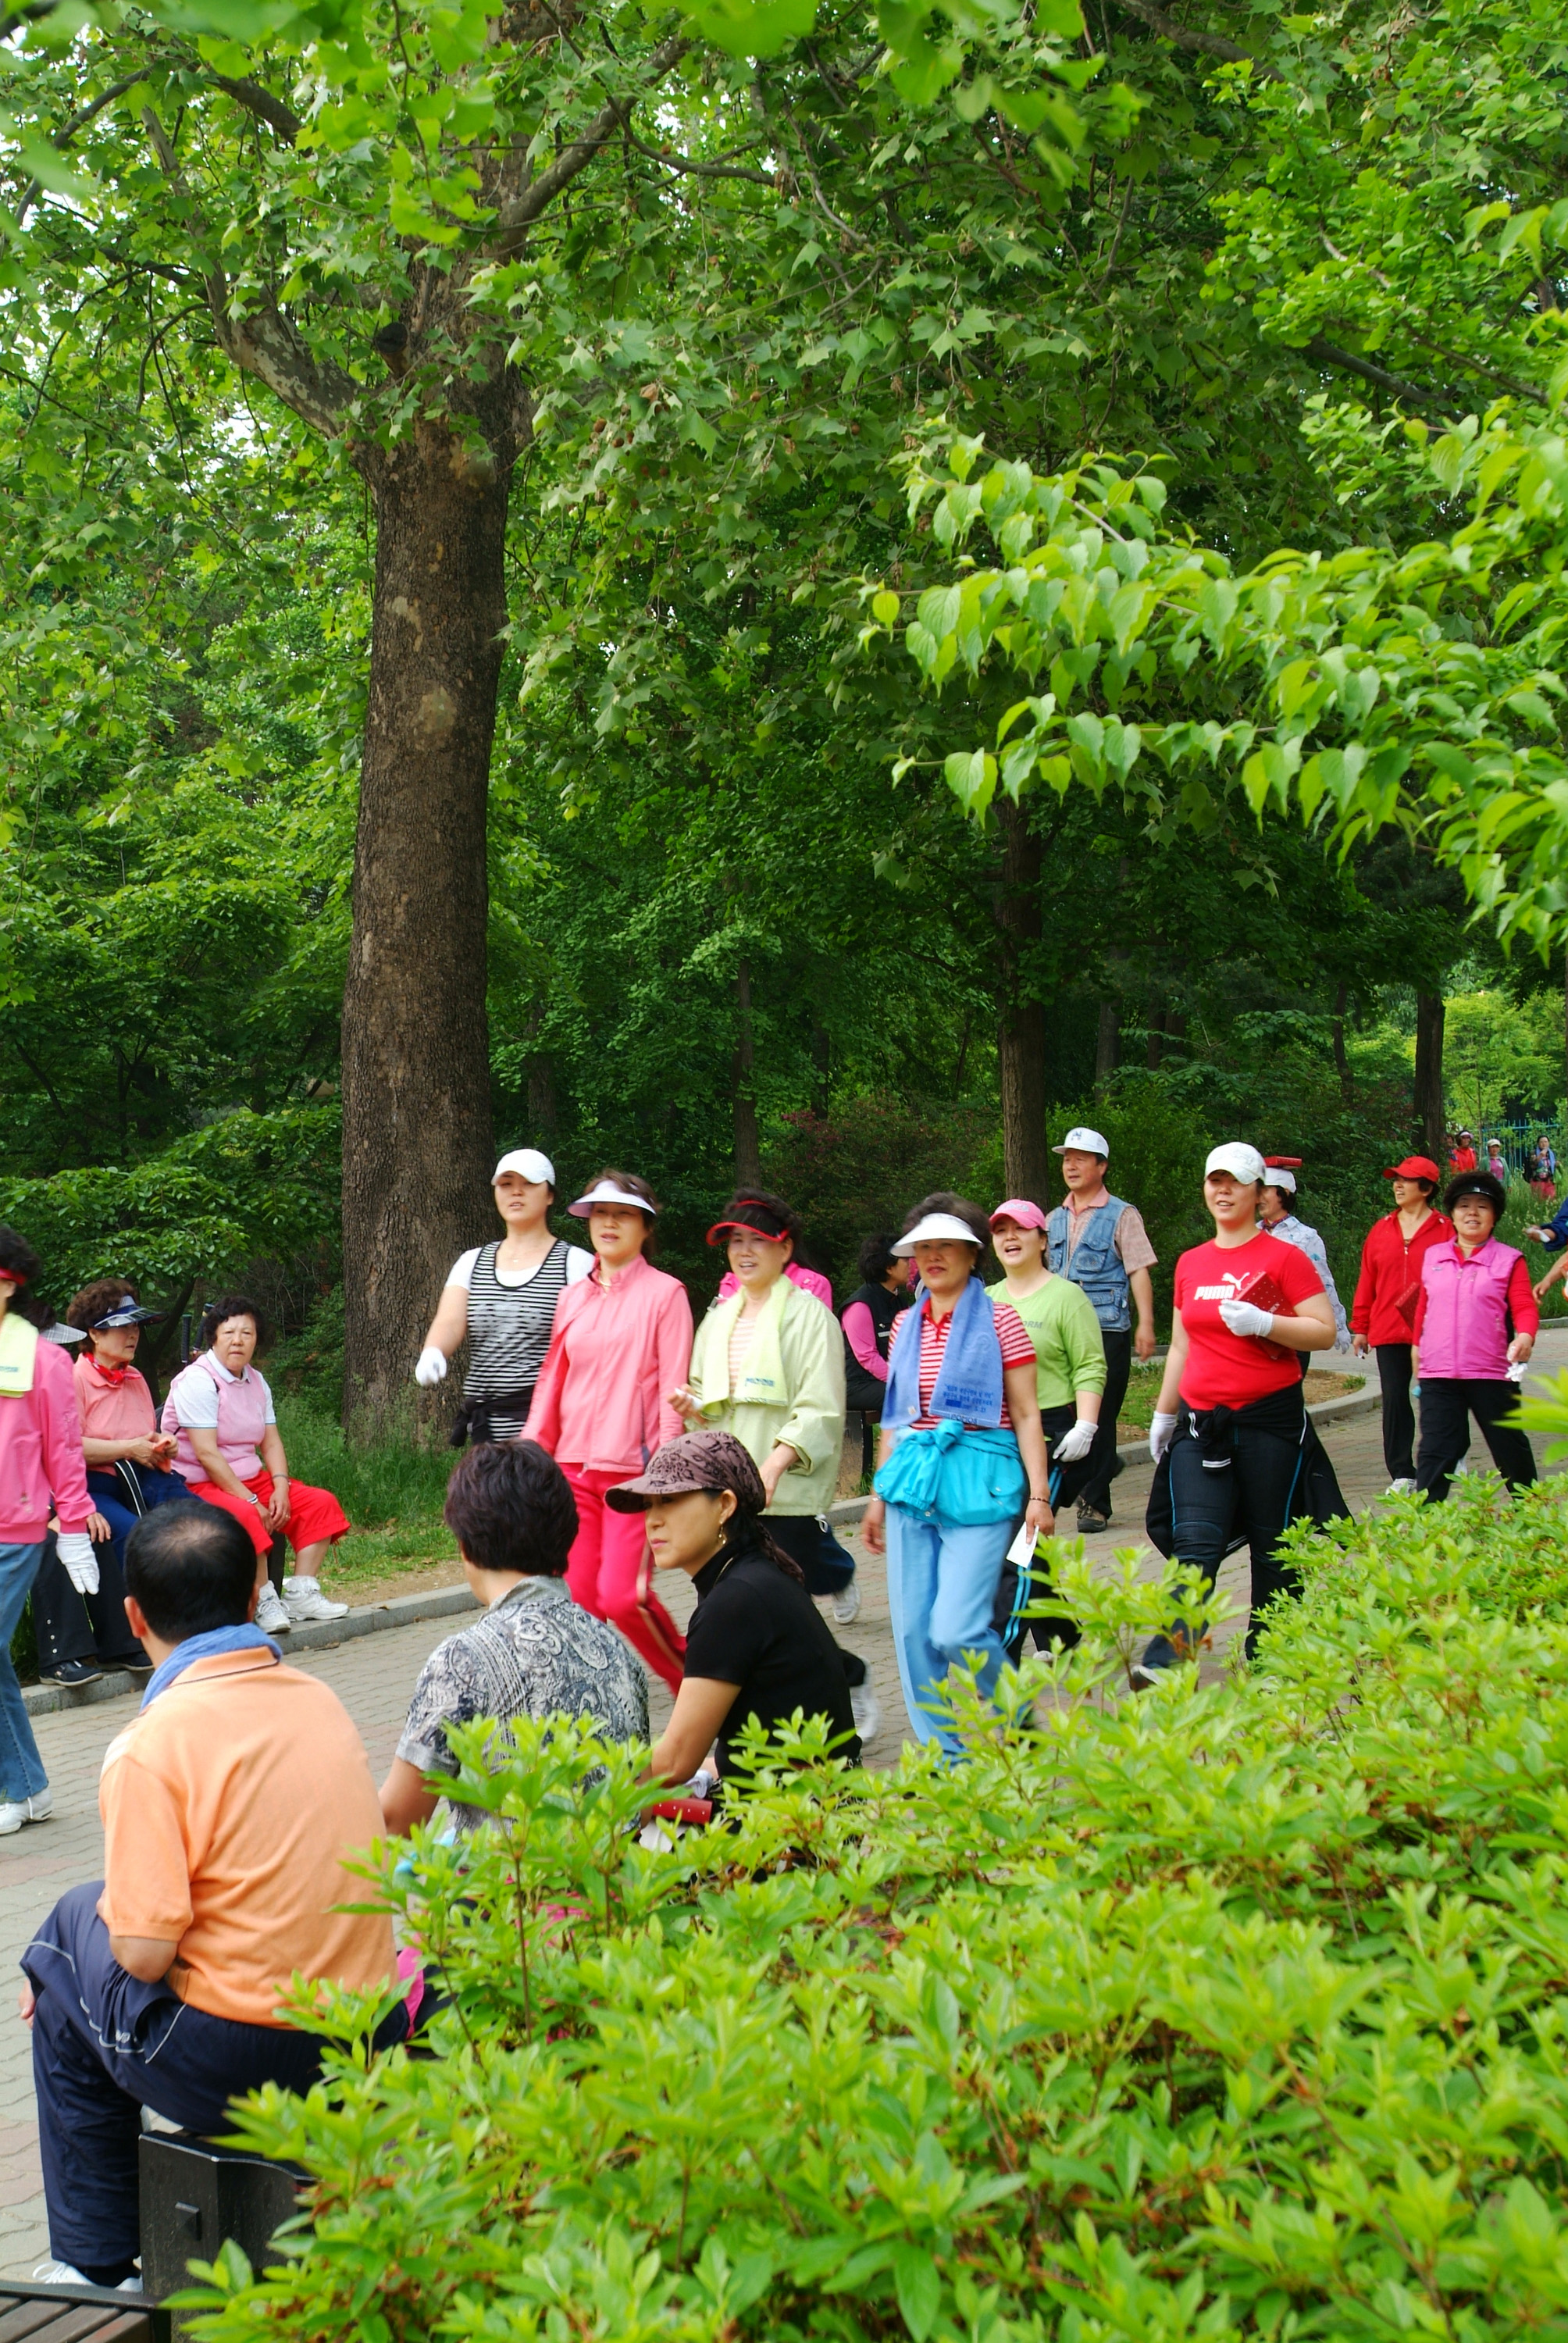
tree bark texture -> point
(1021, 1022)
(748, 1145)
(1430, 1113)
(417, 1134)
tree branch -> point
(1207, 44)
(263, 105)
(519, 217)
(703, 170)
(62, 138)
(1329, 354)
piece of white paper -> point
(1021, 1550)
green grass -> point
(392, 1493)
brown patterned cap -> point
(698, 1460)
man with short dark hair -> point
(535, 1652)
(1098, 1241)
(231, 1804)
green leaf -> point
(918, 2286)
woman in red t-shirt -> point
(1231, 1436)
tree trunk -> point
(1028, 1167)
(1107, 1043)
(1154, 1046)
(1430, 1113)
(417, 1143)
(747, 1147)
(1341, 1062)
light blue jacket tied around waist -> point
(963, 1476)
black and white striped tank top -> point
(508, 1333)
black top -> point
(756, 1628)
(885, 1310)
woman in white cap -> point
(963, 1457)
(1237, 1461)
(502, 1297)
(621, 1343)
(1279, 1217)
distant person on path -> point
(534, 1651)
(868, 1318)
(501, 1298)
(621, 1340)
(229, 1454)
(1070, 1383)
(1382, 1314)
(1497, 1163)
(799, 1272)
(231, 1805)
(1279, 1216)
(1236, 1458)
(1473, 1289)
(963, 1459)
(1543, 1170)
(1099, 1243)
(42, 1473)
(1462, 1156)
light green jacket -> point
(792, 1388)
(1069, 1356)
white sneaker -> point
(867, 1710)
(846, 1604)
(15, 1812)
(270, 1615)
(303, 1600)
(1401, 1488)
(62, 2274)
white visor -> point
(1275, 1176)
(529, 1164)
(604, 1192)
(934, 1226)
(1241, 1161)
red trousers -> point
(313, 1513)
(610, 1572)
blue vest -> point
(1095, 1264)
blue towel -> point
(246, 1638)
(968, 1384)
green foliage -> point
(1209, 2013)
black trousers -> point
(1251, 1499)
(1095, 1489)
(1393, 1367)
(1017, 1589)
(1447, 1404)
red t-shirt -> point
(1017, 1351)
(1232, 1370)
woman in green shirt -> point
(1069, 1375)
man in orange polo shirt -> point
(231, 1804)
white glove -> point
(1075, 1444)
(1246, 1318)
(78, 1560)
(1161, 1432)
(432, 1366)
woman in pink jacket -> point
(1475, 1325)
(620, 1340)
(42, 1472)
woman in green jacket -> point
(1070, 1376)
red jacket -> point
(1391, 1272)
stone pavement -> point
(374, 1676)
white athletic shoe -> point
(303, 1600)
(1399, 1488)
(62, 2274)
(15, 1812)
(846, 1604)
(270, 1615)
(867, 1710)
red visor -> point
(722, 1229)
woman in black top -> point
(868, 1318)
(756, 1645)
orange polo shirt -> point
(228, 1808)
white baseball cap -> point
(936, 1225)
(606, 1192)
(529, 1164)
(1083, 1141)
(1276, 1176)
(1241, 1161)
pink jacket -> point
(810, 1281)
(615, 1351)
(41, 1467)
(1462, 1317)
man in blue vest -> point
(1100, 1244)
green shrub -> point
(1214, 2012)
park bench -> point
(77, 2314)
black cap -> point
(1477, 1184)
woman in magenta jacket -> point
(1476, 1320)
(41, 1472)
(619, 1343)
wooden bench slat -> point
(73, 2322)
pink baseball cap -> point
(1019, 1208)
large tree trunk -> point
(416, 1044)
(743, 1095)
(1430, 1113)
(1028, 1169)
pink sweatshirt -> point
(614, 1352)
(41, 1467)
(810, 1281)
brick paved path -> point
(374, 1676)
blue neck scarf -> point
(205, 1648)
(969, 1383)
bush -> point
(1220, 2012)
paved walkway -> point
(374, 1676)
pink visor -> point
(1019, 1208)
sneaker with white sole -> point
(62, 2274)
(845, 1606)
(303, 1600)
(270, 1615)
(15, 1812)
(1399, 1488)
(867, 1710)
